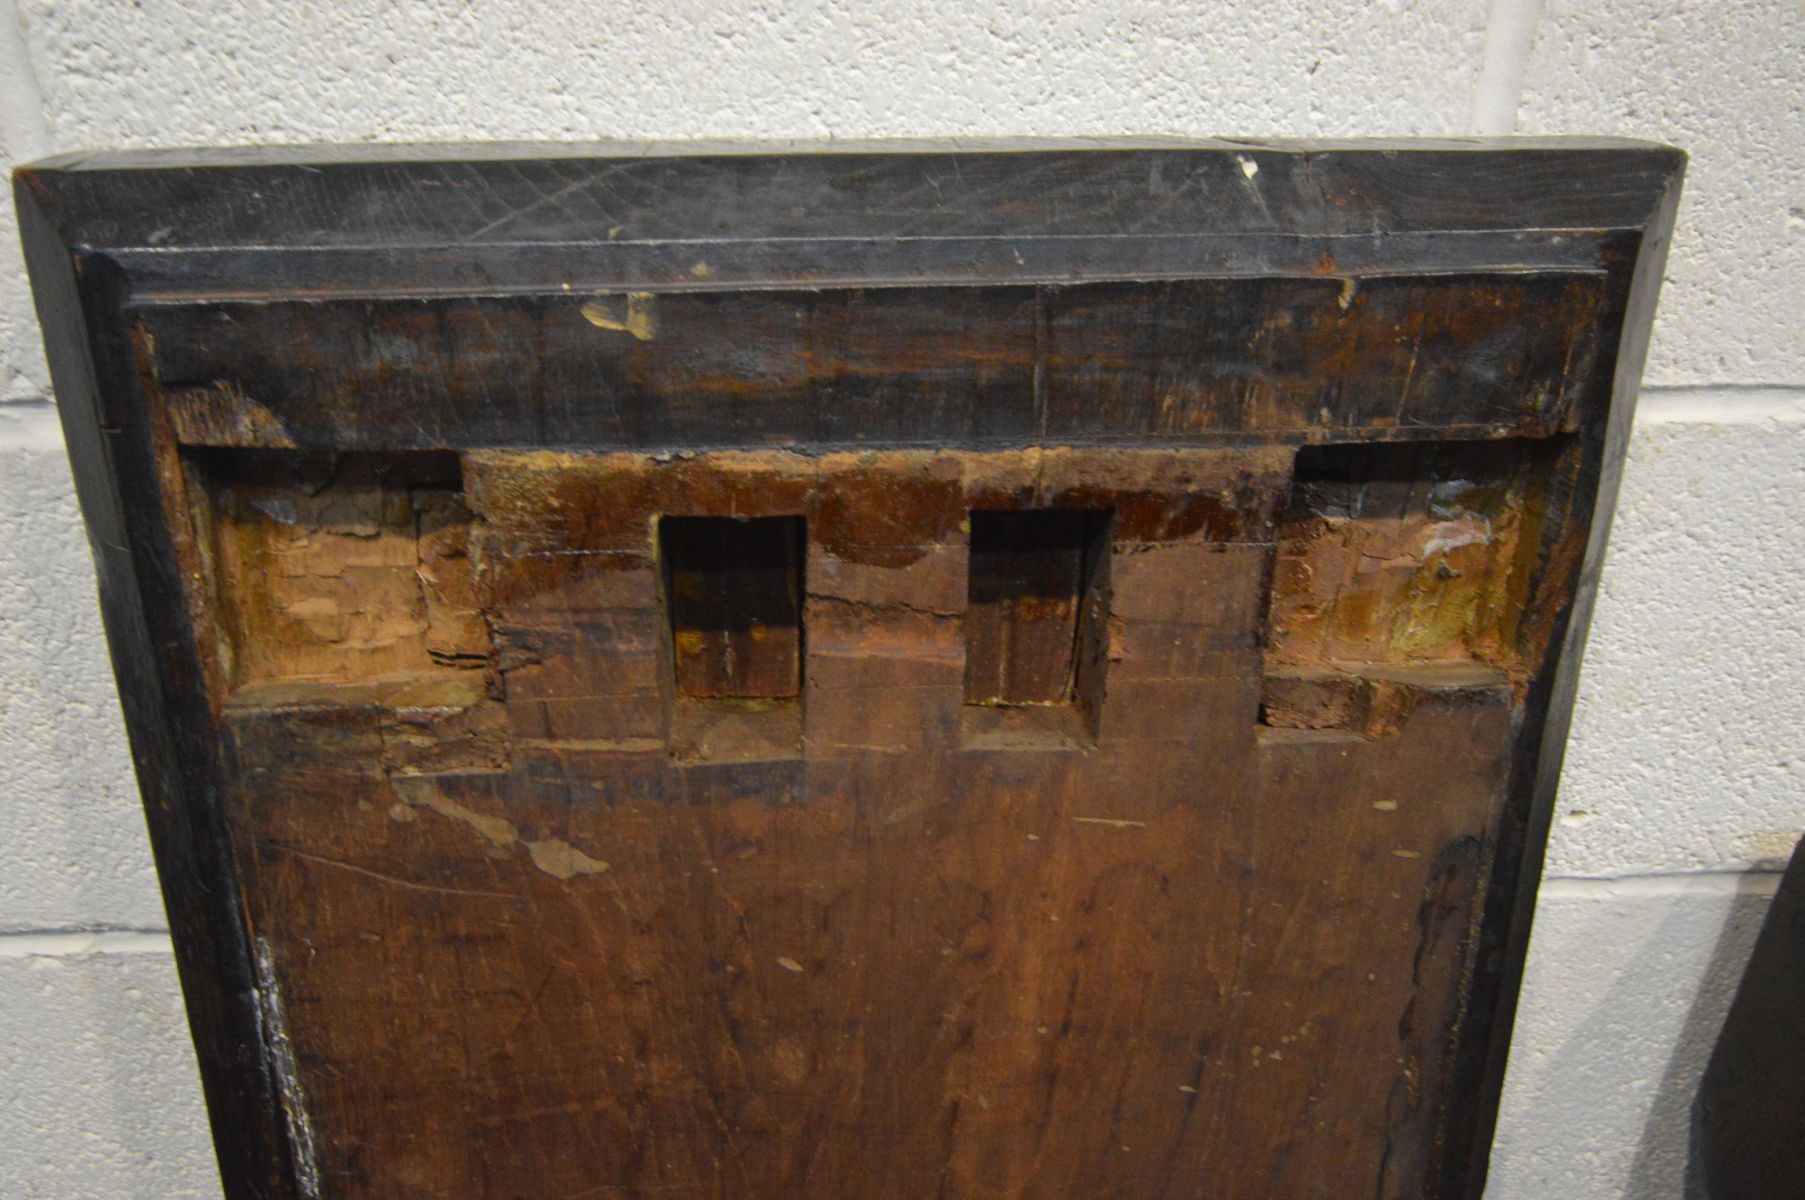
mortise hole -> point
(1400, 567)
(733, 592)
(1037, 607)
(332, 569)
(1406, 553)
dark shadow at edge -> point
(1747, 1120)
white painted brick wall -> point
(98, 1095)
(1686, 782)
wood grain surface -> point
(888, 956)
(978, 672)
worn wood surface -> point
(1179, 362)
(973, 674)
(881, 960)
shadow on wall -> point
(1667, 1163)
(1748, 1127)
(1627, 987)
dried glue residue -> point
(417, 790)
(562, 860)
(638, 316)
(556, 858)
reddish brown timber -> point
(986, 671)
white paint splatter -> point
(276, 508)
(1451, 535)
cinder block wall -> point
(1685, 787)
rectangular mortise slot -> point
(1403, 568)
(330, 569)
(733, 590)
(1409, 553)
(1037, 609)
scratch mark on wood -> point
(322, 860)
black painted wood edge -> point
(1548, 715)
(461, 220)
(80, 303)
(324, 153)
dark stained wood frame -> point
(104, 232)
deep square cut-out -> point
(333, 570)
(1037, 608)
(733, 590)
